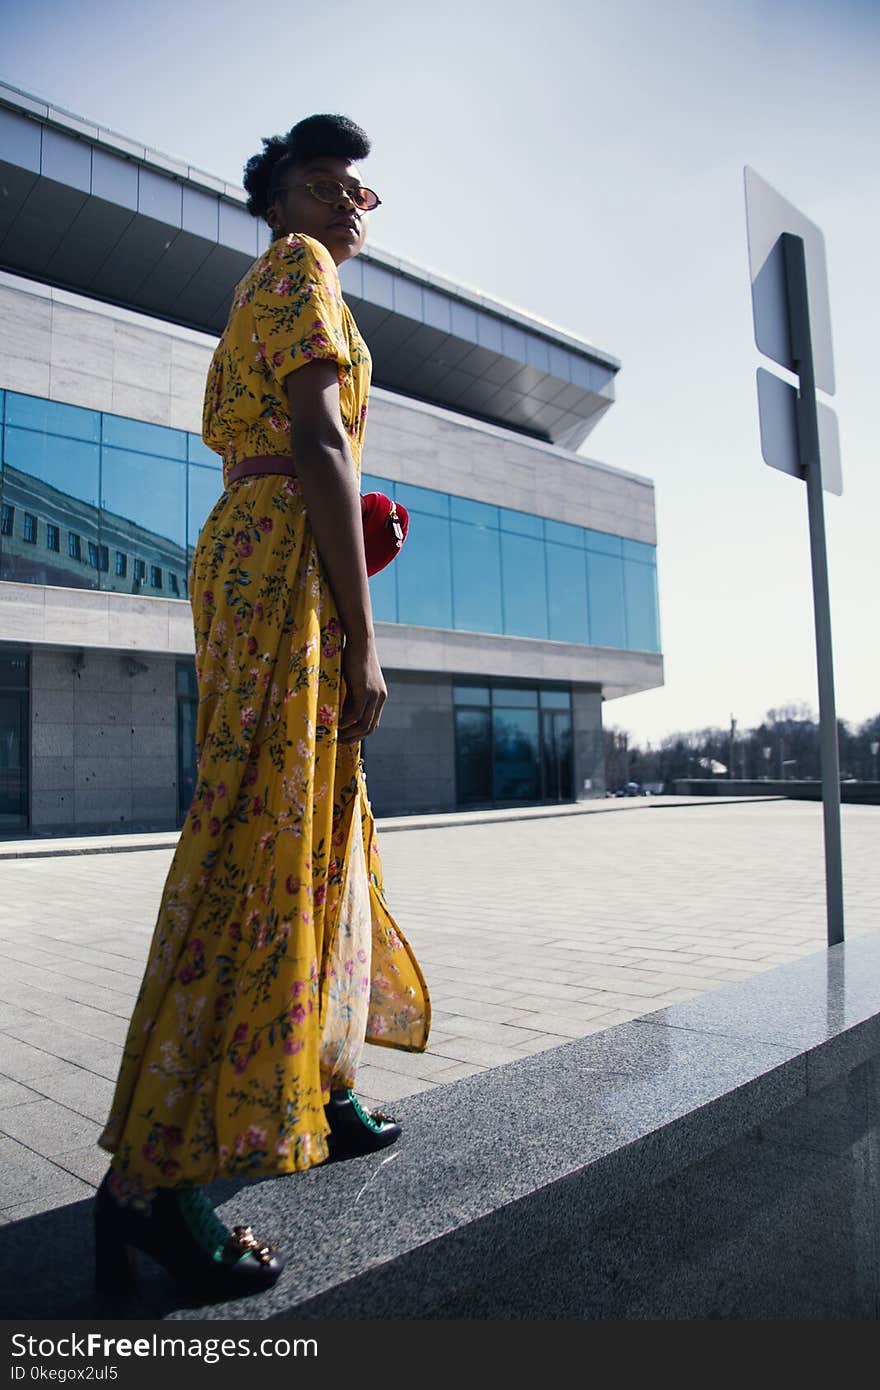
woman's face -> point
(339, 225)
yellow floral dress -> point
(274, 954)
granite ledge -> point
(495, 1169)
(502, 1159)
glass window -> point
(524, 586)
(556, 759)
(527, 697)
(639, 550)
(602, 542)
(641, 606)
(103, 558)
(479, 513)
(173, 582)
(155, 577)
(144, 439)
(13, 671)
(29, 527)
(555, 699)
(371, 483)
(473, 756)
(470, 694)
(186, 679)
(567, 593)
(93, 554)
(198, 452)
(146, 490)
(140, 571)
(74, 546)
(521, 523)
(14, 759)
(7, 519)
(205, 487)
(476, 578)
(383, 593)
(517, 768)
(68, 465)
(121, 563)
(422, 499)
(424, 579)
(51, 417)
(607, 607)
(563, 534)
(53, 537)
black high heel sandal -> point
(354, 1130)
(183, 1233)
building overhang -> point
(95, 213)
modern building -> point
(525, 596)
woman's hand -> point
(365, 690)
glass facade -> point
(82, 488)
(474, 567)
(140, 493)
(513, 743)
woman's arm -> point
(330, 492)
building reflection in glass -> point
(96, 501)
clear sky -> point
(583, 161)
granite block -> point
(13, 1093)
(52, 774)
(93, 772)
(103, 740)
(25, 1176)
(50, 1041)
(155, 771)
(101, 710)
(52, 671)
(50, 706)
(804, 1003)
(48, 1128)
(19, 1061)
(154, 741)
(89, 1163)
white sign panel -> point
(768, 215)
(777, 413)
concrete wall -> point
(588, 753)
(103, 743)
(100, 357)
(410, 759)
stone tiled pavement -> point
(531, 928)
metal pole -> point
(808, 450)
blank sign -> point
(777, 412)
(768, 215)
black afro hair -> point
(334, 136)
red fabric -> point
(380, 543)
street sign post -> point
(792, 320)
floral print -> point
(274, 952)
(287, 310)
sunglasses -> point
(331, 190)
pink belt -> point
(269, 463)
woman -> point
(274, 955)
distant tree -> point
(790, 731)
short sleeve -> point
(297, 308)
